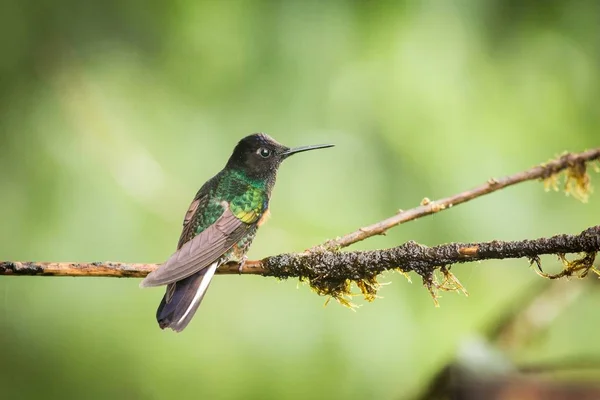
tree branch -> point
(577, 184)
(330, 272)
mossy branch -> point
(331, 272)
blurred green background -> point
(112, 115)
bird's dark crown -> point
(257, 155)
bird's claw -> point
(241, 267)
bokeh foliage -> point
(113, 113)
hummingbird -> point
(219, 226)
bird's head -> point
(259, 155)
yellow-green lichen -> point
(579, 268)
(577, 182)
(449, 283)
(341, 291)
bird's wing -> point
(201, 251)
(188, 229)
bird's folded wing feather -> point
(201, 251)
(188, 227)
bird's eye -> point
(264, 152)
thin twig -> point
(573, 161)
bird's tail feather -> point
(182, 299)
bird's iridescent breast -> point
(251, 205)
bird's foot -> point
(241, 267)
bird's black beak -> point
(300, 149)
